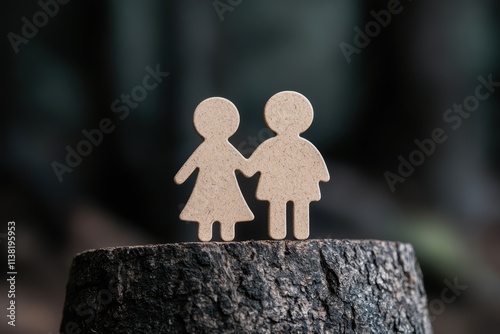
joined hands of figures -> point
(290, 166)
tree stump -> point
(312, 286)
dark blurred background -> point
(368, 111)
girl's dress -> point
(216, 195)
(288, 172)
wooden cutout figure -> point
(216, 195)
(291, 167)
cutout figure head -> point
(216, 117)
(288, 113)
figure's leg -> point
(205, 231)
(227, 231)
(277, 220)
(301, 220)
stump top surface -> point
(250, 244)
(320, 286)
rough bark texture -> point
(314, 286)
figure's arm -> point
(186, 170)
(242, 164)
(260, 157)
(250, 166)
(321, 168)
(324, 174)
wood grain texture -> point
(313, 286)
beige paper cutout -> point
(290, 166)
(216, 195)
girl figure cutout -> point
(291, 167)
(216, 195)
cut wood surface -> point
(313, 286)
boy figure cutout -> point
(291, 167)
(216, 195)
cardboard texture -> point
(216, 195)
(290, 166)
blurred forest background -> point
(368, 111)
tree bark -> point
(313, 286)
